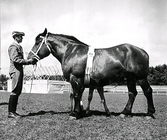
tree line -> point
(157, 76)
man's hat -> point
(17, 33)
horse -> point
(109, 64)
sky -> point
(98, 23)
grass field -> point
(46, 117)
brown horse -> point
(109, 65)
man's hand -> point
(32, 61)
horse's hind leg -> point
(132, 92)
(148, 94)
(101, 93)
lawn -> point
(46, 117)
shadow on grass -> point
(4, 103)
(44, 112)
(141, 115)
(92, 112)
(100, 113)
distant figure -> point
(17, 61)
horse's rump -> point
(117, 61)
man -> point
(16, 71)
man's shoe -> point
(13, 115)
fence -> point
(123, 89)
(46, 86)
(42, 84)
(44, 80)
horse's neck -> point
(61, 43)
(58, 49)
(59, 53)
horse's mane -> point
(65, 37)
(72, 38)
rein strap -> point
(43, 41)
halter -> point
(43, 41)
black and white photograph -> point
(83, 70)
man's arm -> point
(16, 58)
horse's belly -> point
(107, 74)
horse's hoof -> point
(82, 109)
(122, 116)
(108, 114)
(148, 117)
(88, 112)
(72, 118)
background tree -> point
(158, 75)
(3, 81)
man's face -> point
(19, 38)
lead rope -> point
(32, 77)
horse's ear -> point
(45, 31)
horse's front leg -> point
(77, 93)
(78, 105)
(72, 98)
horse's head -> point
(41, 48)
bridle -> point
(43, 42)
